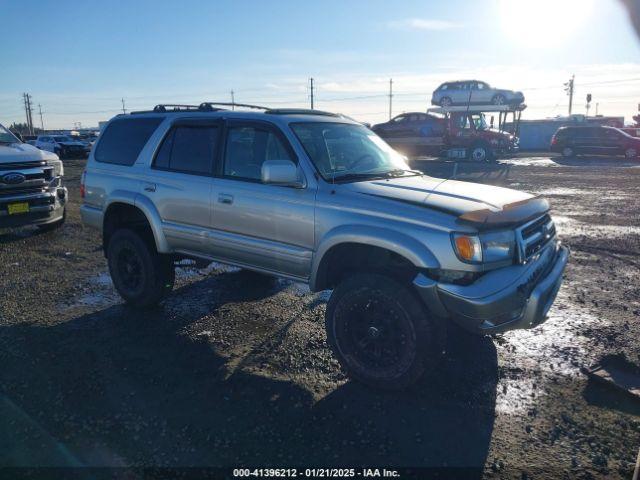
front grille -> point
(533, 236)
(20, 165)
(21, 191)
(37, 177)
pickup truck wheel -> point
(380, 332)
(141, 275)
(480, 153)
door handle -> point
(225, 198)
(150, 187)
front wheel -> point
(480, 153)
(141, 275)
(380, 332)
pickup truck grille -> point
(533, 236)
(36, 179)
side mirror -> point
(281, 172)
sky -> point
(78, 60)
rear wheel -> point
(445, 102)
(141, 275)
(380, 332)
(499, 99)
(568, 152)
(631, 153)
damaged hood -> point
(23, 152)
(483, 206)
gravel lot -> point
(234, 370)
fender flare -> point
(406, 246)
(148, 209)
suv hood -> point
(483, 206)
(23, 152)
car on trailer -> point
(473, 92)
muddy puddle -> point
(571, 227)
(554, 348)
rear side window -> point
(123, 140)
(188, 149)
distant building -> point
(536, 134)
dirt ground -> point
(234, 370)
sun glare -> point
(541, 23)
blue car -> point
(413, 130)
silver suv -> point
(473, 92)
(317, 198)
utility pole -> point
(233, 101)
(41, 121)
(28, 112)
(124, 110)
(311, 82)
(390, 97)
(597, 105)
(568, 87)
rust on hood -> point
(511, 214)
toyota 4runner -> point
(318, 198)
(31, 189)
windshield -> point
(62, 139)
(479, 121)
(343, 150)
(6, 136)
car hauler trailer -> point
(467, 134)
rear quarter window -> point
(124, 139)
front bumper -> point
(45, 207)
(510, 298)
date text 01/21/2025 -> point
(315, 473)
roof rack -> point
(209, 105)
(299, 111)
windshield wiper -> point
(400, 172)
(354, 177)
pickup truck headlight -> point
(58, 168)
(487, 247)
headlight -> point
(58, 168)
(485, 248)
(498, 246)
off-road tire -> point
(396, 312)
(152, 275)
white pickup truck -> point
(31, 188)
